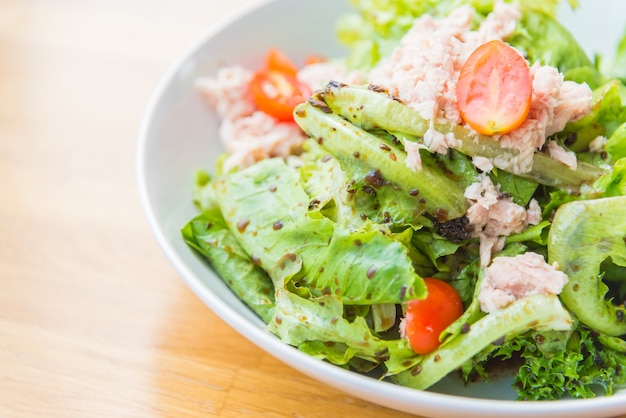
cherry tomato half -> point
(277, 93)
(276, 60)
(494, 89)
(427, 318)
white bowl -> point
(179, 136)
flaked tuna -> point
(247, 134)
(423, 72)
(493, 216)
(510, 278)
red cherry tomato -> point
(494, 89)
(277, 93)
(427, 318)
(276, 60)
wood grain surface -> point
(94, 322)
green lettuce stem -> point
(440, 194)
(539, 312)
(370, 109)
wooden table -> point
(94, 322)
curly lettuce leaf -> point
(559, 364)
(298, 320)
(324, 180)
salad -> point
(447, 198)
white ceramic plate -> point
(179, 136)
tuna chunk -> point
(494, 216)
(249, 135)
(558, 153)
(246, 134)
(510, 278)
(424, 69)
(227, 92)
(555, 102)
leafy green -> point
(300, 320)
(614, 182)
(267, 209)
(375, 28)
(328, 247)
(541, 38)
(323, 179)
(378, 172)
(616, 144)
(607, 115)
(558, 364)
(584, 234)
(533, 312)
(208, 234)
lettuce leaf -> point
(208, 234)
(370, 110)
(558, 364)
(532, 312)
(584, 234)
(541, 38)
(381, 182)
(267, 209)
(607, 114)
(318, 326)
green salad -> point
(414, 233)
